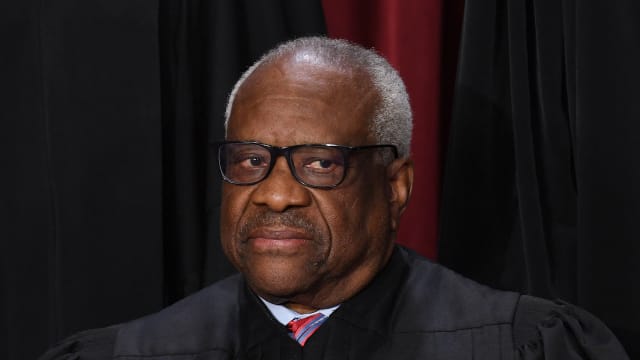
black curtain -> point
(108, 196)
(541, 178)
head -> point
(313, 247)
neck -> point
(299, 308)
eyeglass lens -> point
(314, 165)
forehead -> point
(292, 102)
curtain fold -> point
(81, 168)
(540, 177)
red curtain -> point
(410, 35)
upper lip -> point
(279, 233)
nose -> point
(280, 190)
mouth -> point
(280, 240)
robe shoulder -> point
(95, 344)
(438, 300)
(556, 330)
(204, 322)
(198, 323)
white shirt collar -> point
(283, 314)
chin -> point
(276, 296)
(279, 288)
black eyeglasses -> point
(321, 166)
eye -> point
(316, 161)
(255, 161)
(321, 164)
(250, 161)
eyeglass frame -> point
(285, 151)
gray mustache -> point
(289, 219)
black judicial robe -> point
(414, 309)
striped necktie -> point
(301, 329)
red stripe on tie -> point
(302, 329)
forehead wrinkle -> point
(254, 103)
(252, 109)
(255, 108)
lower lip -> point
(281, 245)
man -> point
(317, 174)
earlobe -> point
(400, 177)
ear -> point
(400, 178)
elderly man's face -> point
(308, 247)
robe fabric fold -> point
(413, 309)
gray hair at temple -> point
(392, 122)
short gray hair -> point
(392, 122)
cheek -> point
(358, 221)
(233, 203)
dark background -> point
(526, 138)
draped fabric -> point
(540, 184)
(80, 141)
(109, 203)
(393, 318)
(411, 35)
